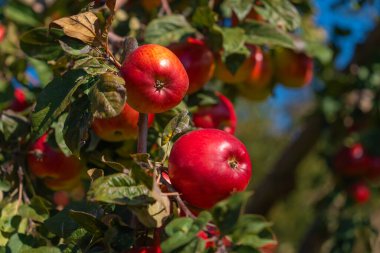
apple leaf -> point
(204, 17)
(84, 27)
(77, 123)
(227, 212)
(179, 124)
(73, 46)
(43, 249)
(259, 33)
(21, 13)
(40, 43)
(240, 7)
(121, 189)
(12, 126)
(59, 136)
(54, 99)
(167, 29)
(93, 66)
(108, 96)
(88, 222)
(182, 234)
(280, 13)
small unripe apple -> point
(198, 61)
(59, 172)
(221, 116)
(360, 192)
(293, 69)
(155, 79)
(351, 161)
(121, 127)
(207, 166)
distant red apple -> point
(155, 79)
(207, 166)
(121, 127)
(152, 249)
(198, 61)
(351, 161)
(19, 102)
(293, 69)
(221, 116)
(2, 32)
(61, 198)
(225, 75)
(261, 73)
(58, 171)
(360, 192)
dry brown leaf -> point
(84, 26)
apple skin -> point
(207, 165)
(351, 161)
(155, 79)
(152, 249)
(198, 61)
(360, 192)
(2, 32)
(19, 102)
(58, 171)
(269, 247)
(223, 74)
(261, 73)
(221, 116)
(121, 127)
(293, 69)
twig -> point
(143, 133)
(20, 187)
(166, 7)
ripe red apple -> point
(223, 74)
(221, 116)
(152, 249)
(360, 192)
(155, 79)
(269, 247)
(197, 60)
(293, 69)
(61, 199)
(351, 161)
(121, 127)
(58, 171)
(19, 102)
(261, 73)
(207, 165)
(2, 32)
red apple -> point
(19, 102)
(155, 79)
(293, 69)
(61, 198)
(221, 116)
(198, 61)
(269, 247)
(223, 73)
(261, 73)
(351, 161)
(58, 171)
(121, 127)
(360, 192)
(207, 165)
(2, 32)
(373, 168)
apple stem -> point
(143, 133)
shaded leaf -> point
(84, 27)
(95, 173)
(88, 222)
(21, 14)
(12, 126)
(167, 29)
(108, 96)
(240, 7)
(73, 46)
(43, 249)
(114, 165)
(93, 66)
(54, 99)
(204, 17)
(177, 125)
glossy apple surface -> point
(155, 79)
(293, 69)
(221, 116)
(360, 192)
(207, 165)
(261, 74)
(121, 127)
(2, 32)
(351, 161)
(58, 171)
(198, 61)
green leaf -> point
(58, 134)
(54, 99)
(19, 242)
(120, 189)
(204, 17)
(240, 7)
(88, 222)
(43, 249)
(44, 72)
(259, 33)
(182, 232)
(93, 66)
(227, 212)
(21, 14)
(5, 185)
(177, 125)
(77, 123)
(12, 126)
(279, 13)
(41, 44)
(167, 29)
(108, 96)
(38, 210)
(141, 176)
(73, 46)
